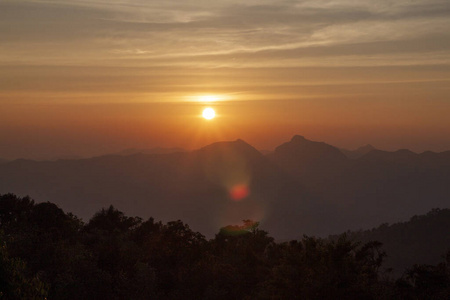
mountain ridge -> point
(422, 239)
(302, 187)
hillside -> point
(303, 187)
(424, 239)
(49, 254)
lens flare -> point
(239, 192)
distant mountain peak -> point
(298, 138)
(366, 147)
(156, 150)
(300, 151)
(242, 142)
(300, 143)
(404, 151)
(227, 143)
(361, 151)
(399, 156)
(237, 145)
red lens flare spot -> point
(239, 192)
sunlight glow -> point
(209, 113)
(208, 98)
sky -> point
(82, 78)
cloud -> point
(118, 32)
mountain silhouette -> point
(315, 165)
(353, 154)
(423, 239)
(156, 150)
(404, 156)
(302, 151)
(303, 187)
(307, 158)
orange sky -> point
(88, 78)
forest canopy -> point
(47, 253)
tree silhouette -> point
(45, 252)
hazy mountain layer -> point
(423, 239)
(157, 150)
(358, 152)
(302, 187)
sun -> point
(209, 113)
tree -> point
(315, 269)
(431, 282)
(14, 281)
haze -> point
(93, 77)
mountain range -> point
(358, 152)
(303, 187)
(156, 150)
(424, 239)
